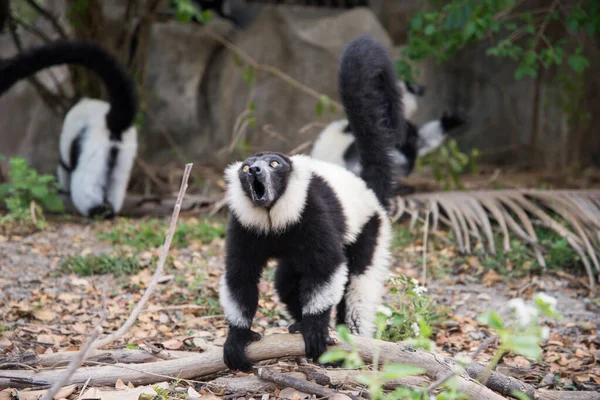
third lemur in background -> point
(327, 228)
(98, 142)
(336, 143)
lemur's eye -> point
(246, 168)
(274, 164)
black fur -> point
(451, 120)
(371, 97)
(120, 86)
(75, 150)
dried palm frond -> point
(573, 214)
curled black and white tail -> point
(120, 87)
(98, 142)
(370, 96)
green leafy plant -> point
(521, 333)
(185, 12)
(411, 315)
(443, 29)
(100, 264)
(448, 164)
(28, 194)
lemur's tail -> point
(120, 86)
(373, 104)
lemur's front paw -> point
(316, 337)
(234, 350)
(452, 120)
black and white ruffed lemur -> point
(327, 228)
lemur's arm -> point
(239, 294)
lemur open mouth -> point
(259, 189)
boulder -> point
(199, 89)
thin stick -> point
(159, 269)
(83, 388)
(77, 361)
(425, 236)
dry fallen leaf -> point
(65, 391)
(192, 394)
(172, 344)
(293, 394)
(44, 315)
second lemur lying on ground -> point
(98, 142)
(336, 143)
(327, 228)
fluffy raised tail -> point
(370, 96)
(120, 86)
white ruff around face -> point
(286, 211)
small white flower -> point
(419, 290)
(547, 300)
(416, 329)
(385, 310)
(414, 282)
(524, 312)
(545, 333)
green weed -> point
(100, 264)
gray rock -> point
(200, 91)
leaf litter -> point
(45, 310)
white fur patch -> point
(366, 290)
(431, 136)
(232, 309)
(409, 101)
(88, 180)
(286, 211)
(327, 294)
(332, 142)
(358, 202)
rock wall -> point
(200, 100)
(195, 91)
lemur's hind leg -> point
(368, 265)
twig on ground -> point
(284, 380)
(83, 388)
(159, 269)
(425, 236)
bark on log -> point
(283, 380)
(564, 395)
(274, 346)
(505, 385)
(109, 357)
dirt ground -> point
(46, 309)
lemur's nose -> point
(255, 170)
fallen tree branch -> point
(273, 346)
(284, 380)
(122, 356)
(159, 269)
